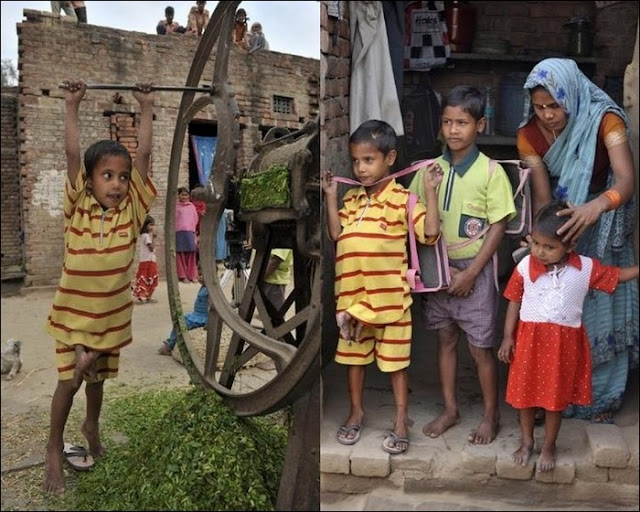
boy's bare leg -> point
(60, 407)
(401, 423)
(527, 421)
(488, 377)
(547, 460)
(355, 375)
(447, 365)
(91, 427)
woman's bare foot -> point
(523, 454)
(547, 459)
(53, 473)
(441, 424)
(603, 417)
(343, 319)
(93, 438)
(486, 431)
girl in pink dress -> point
(147, 276)
(544, 338)
(186, 222)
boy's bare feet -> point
(547, 460)
(486, 431)
(441, 424)
(53, 473)
(93, 438)
(523, 454)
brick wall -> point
(52, 48)
(10, 189)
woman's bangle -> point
(614, 197)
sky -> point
(299, 37)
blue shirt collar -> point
(462, 167)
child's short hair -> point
(378, 133)
(147, 222)
(98, 150)
(469, 99)
(183, 189)
(547, 222)
(169, 11)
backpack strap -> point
(407, 170)
(413, 272)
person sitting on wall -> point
(257, 41)
(198, 19)
(167, 25)
(240, 32)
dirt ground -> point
(26, 399)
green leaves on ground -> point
(185, 451)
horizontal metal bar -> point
(119, 87)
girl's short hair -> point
(547, 222)
(183, 189)
(378, 133)
(469, 99)
(103, 148)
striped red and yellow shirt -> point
(93, 303)
(371, 254)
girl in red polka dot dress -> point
(544, 339)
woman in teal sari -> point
(574, 138)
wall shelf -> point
(516, 57)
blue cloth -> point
(196, 318)
(611, 321)
(222, 250)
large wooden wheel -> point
(258, 358)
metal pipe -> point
(119, 87)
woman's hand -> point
(581, 218)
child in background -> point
(186, 224)
(257, 40)
(473, 198)
(544, 337)
(374, 299)
(194, 319)
(147, 275)
(277, 276)
(105, 202)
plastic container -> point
(510, 103)
(580, 37)
(489, 113)
(461, 24)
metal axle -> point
(120, 87)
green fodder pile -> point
(183, 451)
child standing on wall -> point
(374, 299)
(147, 275)
(105, 202)
(544, 337)
(472, 198)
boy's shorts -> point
(476, 314)
(106, 363)
(389, 345)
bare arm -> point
(143, 155)
(586, 215)
(508, 338)
(330, 188)
(73, 93)
(628, 273)
(432, 179)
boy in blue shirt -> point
(474, 195)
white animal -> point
(11, 360)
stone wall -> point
(52, 48)
(10, 189)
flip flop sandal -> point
(346, 431)
(77, 457)
(391, 442)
